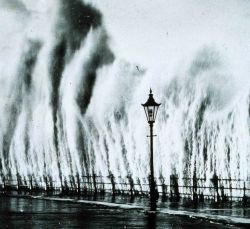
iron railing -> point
(216, 188)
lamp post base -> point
(153, 194)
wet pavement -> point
(22, 212)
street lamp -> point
(151, 108)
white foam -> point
(213, 217)
(116, 205)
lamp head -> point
(151, 108)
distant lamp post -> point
(151, 108)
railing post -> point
(46, 183)
(230, 189)
(195, 196)
(163, 187)
(174, 188)
(18, 182)
(244, 198)
(78, 184)
(216, 187)
(112, 179)
(131, 184)
(4, 184)
(94, 183)
(65, 187)
(85, 188)
(72, 187)
(103, 186)
(139, 184)
(223, 195)
(31, 183)
(89, 183)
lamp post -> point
(151, 108)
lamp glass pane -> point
(156, 110)
(151, 113)
(146, 112)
